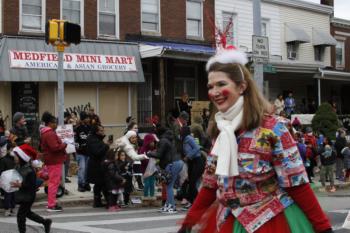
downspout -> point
(319, 86)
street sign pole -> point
(258, 68)
(60, 85)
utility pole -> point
(258, 68)
(60, 85)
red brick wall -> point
(90, 18)
(11, 17)
(173, 19)
(130, 14)
(347, 47)
(52, 9)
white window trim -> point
(296, 50)
(159, 22)
(235, 25)
(81, 14)
(201, 37)
(117, 16)
(43, 18)
(267, 21)
(343, 55)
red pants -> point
(55, 172)
(277, 224)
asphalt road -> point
(145, 220)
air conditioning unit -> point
(292, 55)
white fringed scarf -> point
(225, 147)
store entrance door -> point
(25, 99)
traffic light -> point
(72, 33)
(51, 32)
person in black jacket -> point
(96, 151)
(81, 133)
(340, 143)
(19, 132)
(171, 162)
(124, 165)
(113, 179)
(25, 196)
(7, 162)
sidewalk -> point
(72, 198)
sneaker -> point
(113, 208)
(47, 225)
(187, 207)
(7, 213)
(184, 202)
(81, 189)
(55, 208)
(323, 189)
(170, 210)
(13, 212)
(332, 190)
(87, 187)
(164, 208)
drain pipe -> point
(319, 86)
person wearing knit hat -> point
(19, 131)
(125, 144)
(26, 194)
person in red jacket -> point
(54, 154)
(255, 180)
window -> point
(265, 27)
(107, 17)
(194, 18)
(32, 14)
(72, 11)
(150, 15)
(227, 18)
(319, 53)
(292, 50)
(339, 54)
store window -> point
(340, 54)
(73, 11)
(194, 18)
(229, 23)
(32, 15)
(150, 15)
(108, 15)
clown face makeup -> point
(222, 91)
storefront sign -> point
(66, 134)
(72, 61)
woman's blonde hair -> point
(255, 105)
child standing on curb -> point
(25, 196)
(113, 179)
(328, 159)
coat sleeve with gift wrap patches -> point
(286, 160)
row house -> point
(102, 71)
(299, 43)
(339, 75)
(174, 37)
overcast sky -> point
(341, 8)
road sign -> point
(261, 49)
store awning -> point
(320, 38)
(296, 33)
(176, 50)
(28, 59)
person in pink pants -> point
(54, 155)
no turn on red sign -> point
(261, 49)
